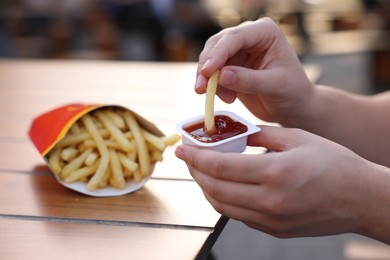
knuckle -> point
(218, 207)
(278, 207)
(274, 173)
(218, 167)
(193, 160)
(213, 190)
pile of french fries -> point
(107, 147)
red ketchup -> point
(225, 128)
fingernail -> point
(199, 82)
(227, 96)
(227, 78)
(179, 152)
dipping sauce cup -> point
(234, 139)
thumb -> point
(246, 80)
(277, 139)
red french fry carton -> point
(51, 127)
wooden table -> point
(169, 218)
(40, 219)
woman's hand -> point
(308, 186)
(259, 67)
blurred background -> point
(348, 39)
(176, 30)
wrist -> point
(308, 109)
(375, 222)
(321, 110)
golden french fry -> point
(81, 172)
(156, 155)
(143, 153)
(75, 129)
(102, 148)
(129, 135)
(132, 155)
(109, 143)
(91, 158)
(209, 123)
(114, 131)
(69, 153)
(127, 174)
(116, 118)
(72, 140)
(117, 180)
(154, 140)
(54, 161)
(170, 139)
(112, 144)
(104, 180)
(84, 179)
(75, 164)
(127, 163)
(137, 175)
(89, 143)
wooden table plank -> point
(29, 239)
(20, 155)
(162, 202)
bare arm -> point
(361, 123)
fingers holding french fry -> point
(107, 147)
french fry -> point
(117, 180)
(75, 164)
(129, 135)
(209, 123)
(54, 161)
(127, 174)
(91, 158)
(170, 139)
(89, 143)
(137, 175)
(74, 139)
(102, 148)
(154, 140)
(75, 129)
(104, 180)
(156, 155)
(81, 173)
(69, 153)
(133, 154)
(116, 119)
(142, 150)
(127, 163)
(114, 131)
